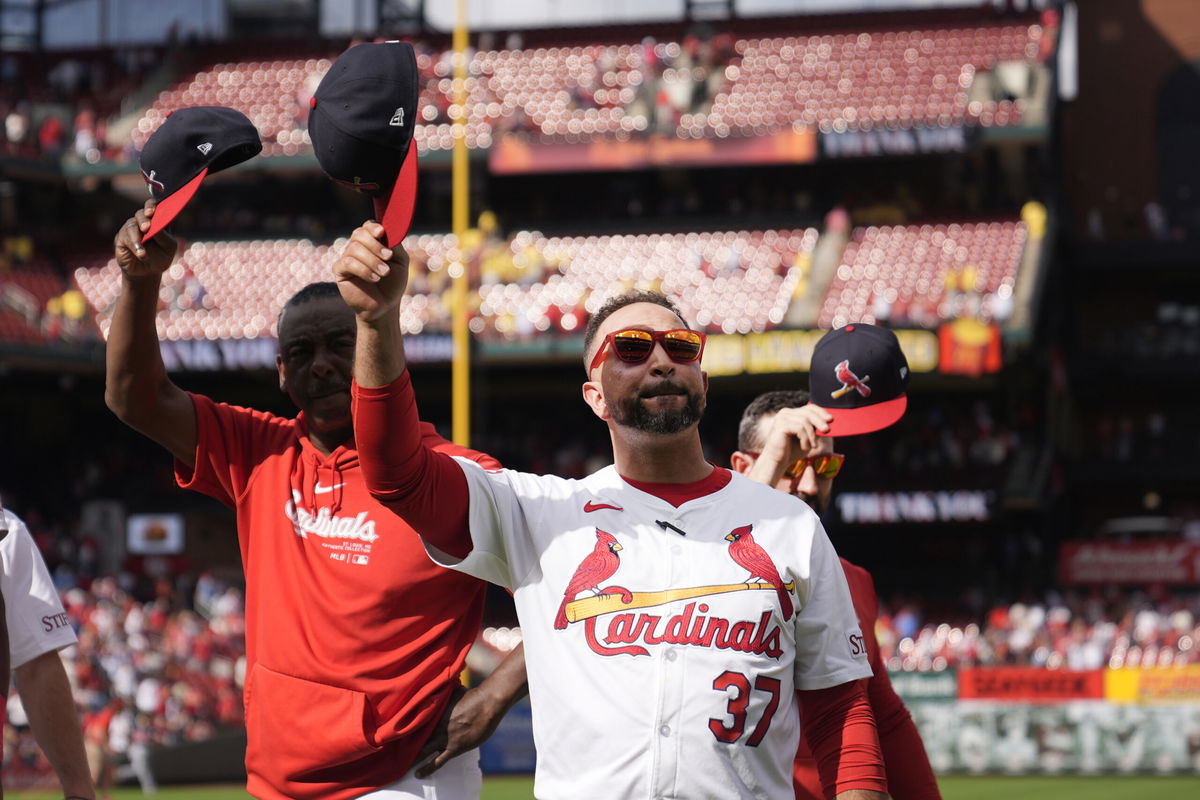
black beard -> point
(632, 414)
(814, 503)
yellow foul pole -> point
(461, 364)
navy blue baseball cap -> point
(859, 375)
(361, 122)
(189, 145)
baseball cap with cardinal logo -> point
(190, 144)
(361, 122)
(859, 375)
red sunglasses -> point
(826, 465)
(634, 345)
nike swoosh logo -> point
(589, 507)
(319, 489)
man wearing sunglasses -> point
(670, 608)
(779, 444)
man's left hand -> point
(470, 719)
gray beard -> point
(632, 414)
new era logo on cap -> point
(190, 144)
(360, 123)
(859, 375)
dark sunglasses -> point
(826, 466)
(634, 345)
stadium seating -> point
(24, 292)
(909, 272)
(727, 282)
(730, 281)
(836, 82)
(860, 81)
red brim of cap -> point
(396, 214)
(868, 419)
(169, 207)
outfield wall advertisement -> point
(1025, 720)
(1011, 720)
(1079, 736)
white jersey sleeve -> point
(829, 645)
(503, 551)
(36, 620)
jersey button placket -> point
(671, 670)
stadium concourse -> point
(1032, 524)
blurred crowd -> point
(63, 108)
(1076, 630)
(145, 673)
(667, 80)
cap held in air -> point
(859, 375)
(361, 123)
(189, 145)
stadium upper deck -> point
(723, 87)
(851, 80)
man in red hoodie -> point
(354, 640)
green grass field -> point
(953, 788)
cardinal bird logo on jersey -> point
(749, 555)
(598, 567)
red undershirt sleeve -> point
(909, 774)
(840, 731)
(426, 489)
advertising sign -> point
(513, 155)
(899, 142)
(1029, 683)
(154, 534)
(1078, 737)
(1153, 686)
(221, 355)
(791, 351)
(925, 686)
(1146, 561)
(874, 508)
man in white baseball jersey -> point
(37, 629)
(670, 608)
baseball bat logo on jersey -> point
(628, 632)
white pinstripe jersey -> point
(673, 675)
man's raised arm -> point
(137, 387)
(427, 489)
